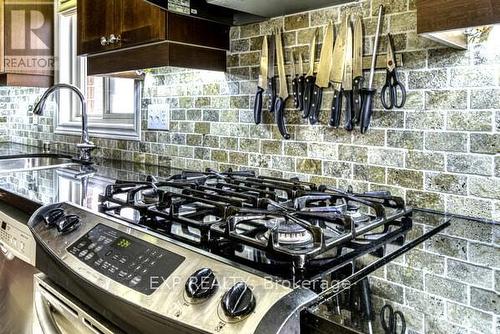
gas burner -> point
(358, 217)
(289, 233)
(150, 196)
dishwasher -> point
(17, 267)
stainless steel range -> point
(216, 252)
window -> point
(113, 103)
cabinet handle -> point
(104, 41)
(114, 39)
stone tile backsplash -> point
(440, 152)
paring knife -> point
(262, 83)
(323, 74)
(347, 82)
(357, 68)
(301, 82)
(283, 92)
(337, 73)
(295, 81)
(310, 78)
(271, 76)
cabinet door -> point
(96, 19)
(140, 22)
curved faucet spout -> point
(86, 146)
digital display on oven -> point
(122, 243)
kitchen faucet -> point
(86, 146)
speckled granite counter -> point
(449, 284)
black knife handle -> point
(317, 98)
(295, 91)
(357, 85)
(336, 108)
(348, 125)
(367, 108)
(308, 91)
(272, 93)
(280, 117)
(257, 107)
(300, 88)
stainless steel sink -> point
(34, 162)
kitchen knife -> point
(368, 93)
(271, 76)
(279, 108)
(337, 74)
(347, 82)
(295, 81)
(310, 78)
(301, 82)
(262, 83)
(357, 68)
(323, 74)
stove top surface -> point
(285, 227)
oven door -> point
(56, 312)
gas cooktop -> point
(287, 228)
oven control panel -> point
(125, 259)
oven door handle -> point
(44, 313)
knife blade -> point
(357, 68)
(347, 87)
(323, 74)
(271, 76)
(337, 74)
(301, 82)
(262, 82)
(283, 91)
(295, 81)
(310, 78)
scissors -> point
(393, 93)
(390, 320)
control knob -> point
(238, 301)
(201, 284)
(69, 224)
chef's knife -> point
(368, 93)
(310, 78)
(357, 68)
(279, 108)
(301, 82)
(262, 83)
(295, 81)
(323, 74)
(347, 82)
(337, 74)
(271, 76)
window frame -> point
(119, 126)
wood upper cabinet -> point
(146, 36)
(445, 20)
(443, 15)
(96, 20)
(140, 22)
(26, 43)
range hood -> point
(272, 8)
(239, 12)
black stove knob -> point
(201, 284)
(53, 217)
(69, 224)
(238, 301)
